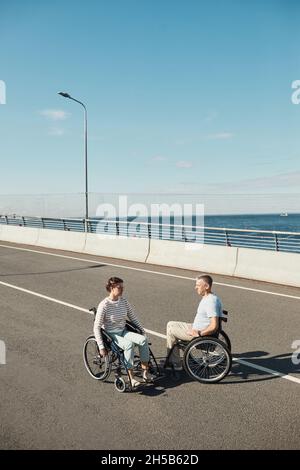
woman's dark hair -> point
(112, 282)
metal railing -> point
(245, 238)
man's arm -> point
(212, 327)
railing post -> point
(149, 230)
(64, 222)
(276, 242)
(227, 238)
(43, 224)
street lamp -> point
(66, 95)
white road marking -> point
(121, 266)
(269, 371)
(66, 304)
(160, 335)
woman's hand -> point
(103, 352)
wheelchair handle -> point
(93, 311)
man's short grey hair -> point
(206, 278)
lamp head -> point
(65, 95)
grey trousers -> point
(177, 330)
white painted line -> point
(44, 297)
(269, 371)
(154, 333)
(66, 304)
(121, 266)
(160, 335)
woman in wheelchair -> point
(111, 315)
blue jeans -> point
(127, 340)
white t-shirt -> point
(210, 306)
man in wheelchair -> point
(206, 322)
(111, 315)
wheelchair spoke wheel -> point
(207, 360)
(225, 339)
(98, 367)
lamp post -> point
(66, 95)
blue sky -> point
(182, 96)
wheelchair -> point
(100, 367)
(206, 359)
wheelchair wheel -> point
(207, 360)
(120, 384)
(225, 339)
(98, 367)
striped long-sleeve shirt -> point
(111, 315)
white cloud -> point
(55, 114)
(57, 132)
(220, 136)
(184, 164)
(158, 158)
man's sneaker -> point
(147, 377)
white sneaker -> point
(135, 383)
(147, 377)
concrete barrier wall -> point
(214, 259)
(15, 234)
(135, 249)
(270, 266)
(62, 240)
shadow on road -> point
(240, 373)
(54, 272)
(281, 363)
